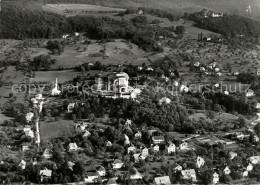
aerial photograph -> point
(126, 92)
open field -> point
(119, 51)
(60, 128)
(74, 9)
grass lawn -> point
(60, 128)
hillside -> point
(179, 6)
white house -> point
(176, 167)
(183, 146)
(232, 155)
(29, 117)
(196, 64)
(111, 181)
(70, 107)
(256, 139)
(171, 148)
(108, 144)
(165, 100)
(145, 152)
(29, 133)
(250, 93)
(257, 106)
(76, 34)
(249, 167)
(128, 123)
(156, 148)
(25, 146)
(101, 171)
(138, 135)
(73, 147)
(245, 174)
(91, 177)
(158, 139)
(45, 174)
(47, 154)
(254, 159)
(189, 174)
(22, 164)
(200, 161)
(117, 164)
(227, 171)
(26, 128)
(165, 180)
(140, 12)
(215, 178)
(131, 149)
(127, 141)
(86, 134)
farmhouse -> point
(101, 171)
(177, 167)
(29, 116)
(29, 134)
(215, 178)
(71, 107)
(254, 159)
(73, 147)
(171, 148)
(226, 170)
(25, 146)
(200, 161)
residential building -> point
(29, 133)
(145, 152)
(189, 174)
(117, 164)
(29, 117)
(47, 154)
(45, 174)
(86, 134)
(164, 100)
(108, 144)
(254, 159)
(26, 128)
(73, 147)
(70, 107)
(200, 161)
(226, 170)
(22, 164)
(111, 181)
(25, 146)
(249, 167)
(156, 148)
(165, 180)
(138, 135)
(128, 123)
(158, 139)
(101, 171)
(131, 149)
(215, 178)
(92, 177)
(177, 167)
(232, 155)
(171, 148)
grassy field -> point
(60, 128)
(120, 52)
(74, 9)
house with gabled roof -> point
(73, 147)
(25, 146)
(47, 154)
(200, 162)
(176, 167)
(158, 139)
(171, 148)
(215, 179)
(86, 134)
(131, 149)
(227, 170)
(111, 181)
(117, 164)
(45, 174)
(91, 177)
(189, 174)
(165, 180)
(101, 171)
(22, 164)
(138, 135)
(108, 144)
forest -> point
(229, 25)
